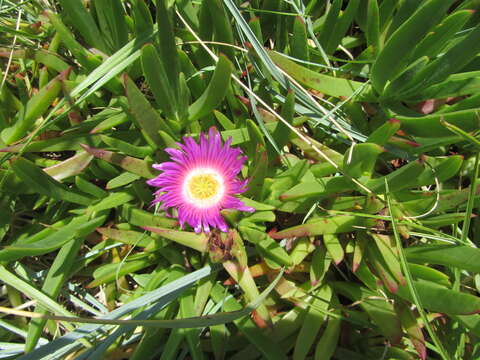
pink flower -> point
(200, 181)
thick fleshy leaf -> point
(110, 272)
(57, 275)
(134, 165)
(40, 181)
(195, 241)
(84, 23)
(431, 126)
(215, 92)
(326, 84)
(463, 257)
(70, 167)
(312, 322)
(406, 37)
(378, 308)
(77, 227)
(437, 298)
(361, 160)
(321, 226)
(34, 108)
(157, 79)
(148, 120)
(130, 237)
(142, 218)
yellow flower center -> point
(203, 187)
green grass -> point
(360, 121)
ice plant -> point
(201, 181)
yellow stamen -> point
(204, 186)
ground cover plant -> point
(315, 183)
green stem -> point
(411, 287)
(471, 198)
